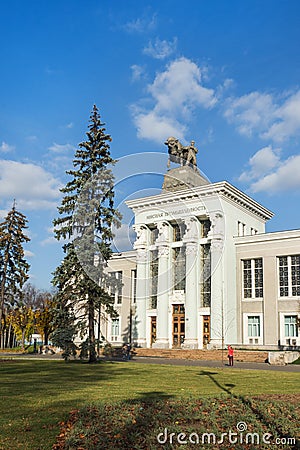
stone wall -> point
(205, 355)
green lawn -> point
(36, 395)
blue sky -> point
(225, 74)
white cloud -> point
(31, 186)
(275, 118)
(59, 164)
(285, 178)
(251, 112)
(3, 213)
(175, 92)
(141, 24)
(268, 173)
(261, 163)
(51, 239)
(160, 49)
(28, 254)
(124, 238)
(61, 148)
(228, 83)
(288, 123)
(5, 148)
(157, 127)
(137, 72)
(180, 87)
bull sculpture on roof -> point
(185, 156)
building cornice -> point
(128, 254)
(267, 237)
(221, 189)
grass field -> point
(37, 395)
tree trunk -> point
(10, 340)
(92, 344)
(46, 336)
(2, 339)
(2, 293)
(99, 331)
(2, 289)
(7, 336)
(3, 330)
(23, 341)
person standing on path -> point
(230, 355)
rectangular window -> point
(153, 235)
(133, 286)
(253, 278)
(205, 227)
(247, 279)
(290, 326)
(153, 330)
(258, 277)
(115, 329)
(253, 326)
(179, 268)
(178, 231)
(283, 276)
(289, 276)
(295, 275)
(153, 278)
(205, 268)
(116, 286)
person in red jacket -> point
(230, 355)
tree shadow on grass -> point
(135, 424)
(227, 387)
(261, 416)
(153, 409)
(129, 424)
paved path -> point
(178, 362)
(217, 364)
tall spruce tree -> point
(13, 266)
(87, 214)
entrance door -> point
(206, 330)
(178, 325)
(153, 330)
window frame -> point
(115, 326)
(289, 274)
(291, 325)
(253, 340)
(116, 291)
(256, 279)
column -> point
(163, 286)
(191, 282)
(217, 308)
(162, 321)
(140, 319)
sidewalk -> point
(170, 361)
(217, 364)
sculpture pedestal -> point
(184, 177)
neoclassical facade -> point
(203, 272)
